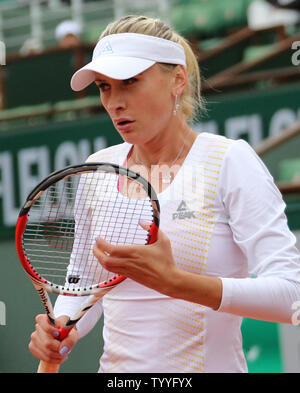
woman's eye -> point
(103, 86)
(130, 81)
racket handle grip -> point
(45, 367)
(48, 368)
(63, 333)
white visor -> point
(122, 56)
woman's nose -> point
(115, 102)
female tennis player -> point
(224, 249)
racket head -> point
(62, 217)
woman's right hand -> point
(43, 344)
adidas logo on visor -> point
(106, 49)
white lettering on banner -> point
(281, 119)
(209, 126)
(71, 153)
(34, 166)
(235, 127)
(84, 150)
(251, 125)
(100, 143)
(296, 55)
(2, 314)
(66, 154)
(7, 192)
(2, 53)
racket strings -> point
(87, 198)
(113, 219)
(66, 220)
(48, 239)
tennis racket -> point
(60, 221)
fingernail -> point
(55, 333)
(64, 350)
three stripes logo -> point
(105, 49)
(183, 212)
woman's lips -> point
(123, 125)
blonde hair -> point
(190, 101)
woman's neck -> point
(167, 148)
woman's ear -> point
(180, 79)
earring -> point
(176, 105)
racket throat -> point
(45, 301)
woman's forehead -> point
(149, 72)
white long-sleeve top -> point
(224, 217)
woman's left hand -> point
(154, 266)
(151, 265)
